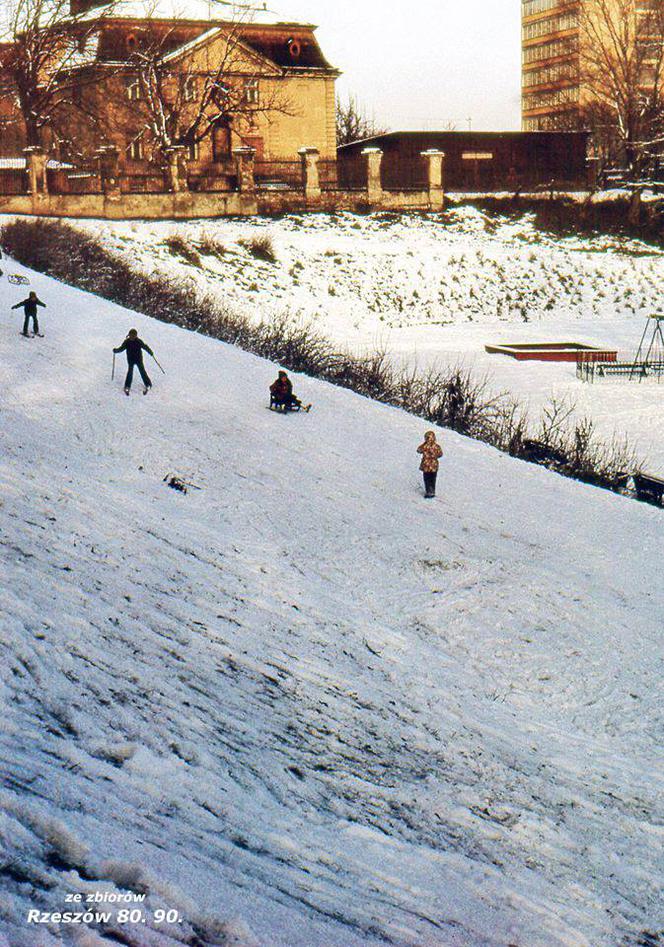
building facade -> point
(474, 161)
(582, 58)
(550, 77)
(140, 84)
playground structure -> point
(647, 363)
(553, 352)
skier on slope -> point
(282, 397)
(134, 347)
(431, 453)
(30, 310)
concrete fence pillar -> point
(435, 177)
(374, 159)
(35, 161)
(310, 173)
(244, 164)
(109, 171)
(176, 169)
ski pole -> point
(154, 357)
(113, 369)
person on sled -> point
(30, 312)
(282, 397)
(431, 453)
(134, 347)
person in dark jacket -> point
(281, 394)
(431, 453)
(30, 309)
(134, 347)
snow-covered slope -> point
(432, 289)
(300, 706)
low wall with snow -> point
(191, 205)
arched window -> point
(134, 90)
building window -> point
(477, 156)
(551, 75)
(189, 89)
(531, 7)
(193, 151)
(135, 149)
(251, 94)
(134, 91)
(567, 46)
(540, 100)
(552, 24)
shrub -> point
(210, 246)
(260, 247)
(178, 246)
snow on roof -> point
(85, 55)
(200, 10)
(19, 164)
(192, 44)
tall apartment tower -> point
(558, 35)
(550, 82)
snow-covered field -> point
(437, 289)
(301, 707)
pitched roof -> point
(207, 37)
(289, 45)
(282, 46)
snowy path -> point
(301, 700)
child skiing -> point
(30, 310)
(282, 397)
(431, 452)
(134, 348)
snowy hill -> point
(301, 707)
(437, 289)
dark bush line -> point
(625, 215)
(450, 397)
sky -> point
(425, 63)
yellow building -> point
(149, 85)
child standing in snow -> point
(431, 453)
(134, 347)
(30, 310)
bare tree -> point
(180, 102)
(45, 44)
(353, 122)
(622, 72)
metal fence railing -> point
(328, 176)
(212, 183)
(278, 175)
(404, 174)
(142, 184)
(13, 181)
(352, 175)
(598, 369)
(80, 180)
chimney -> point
(77, 7)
